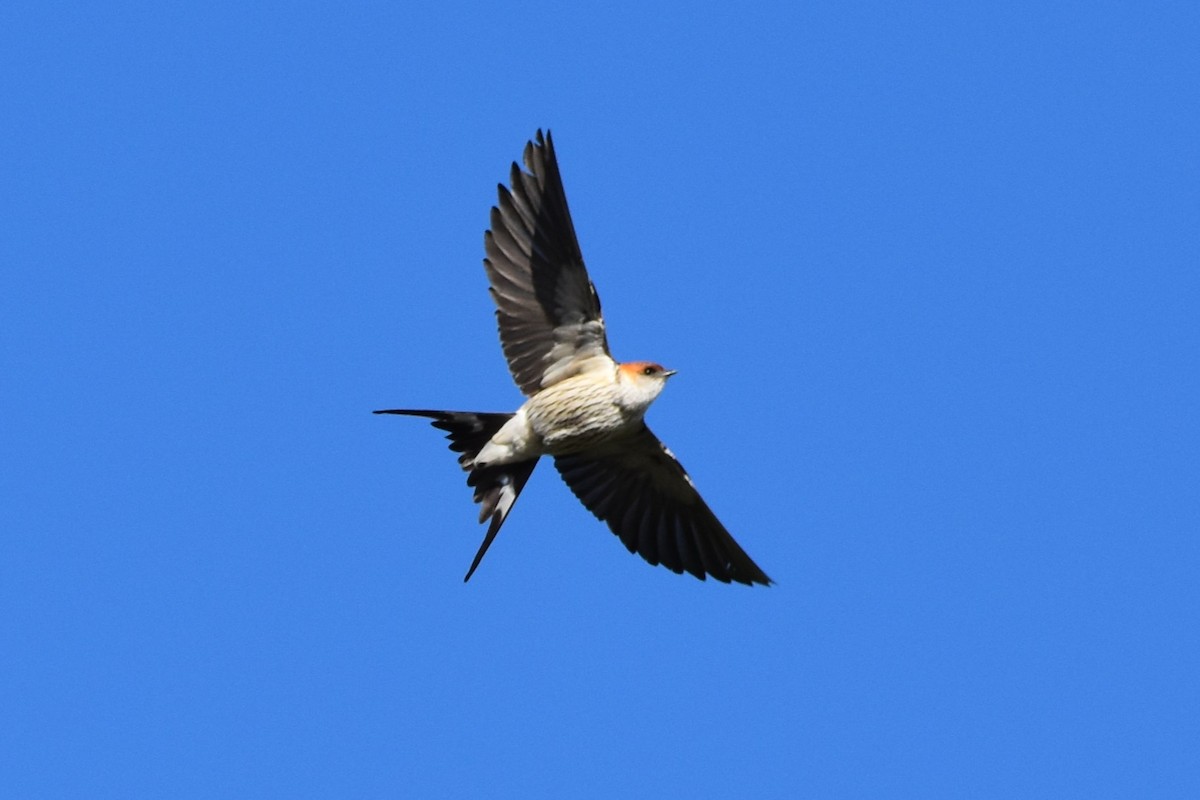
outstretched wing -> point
(642, 491)
(546, 306)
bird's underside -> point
(552, 331)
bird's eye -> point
(649, 370)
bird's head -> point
(641, 382)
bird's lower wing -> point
(642, 491)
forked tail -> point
(496, 488)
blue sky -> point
(930, 278)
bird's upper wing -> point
(641, 490)
(547, 308)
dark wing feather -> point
(642, 491)
(547, 309)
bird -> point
(582, 408)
